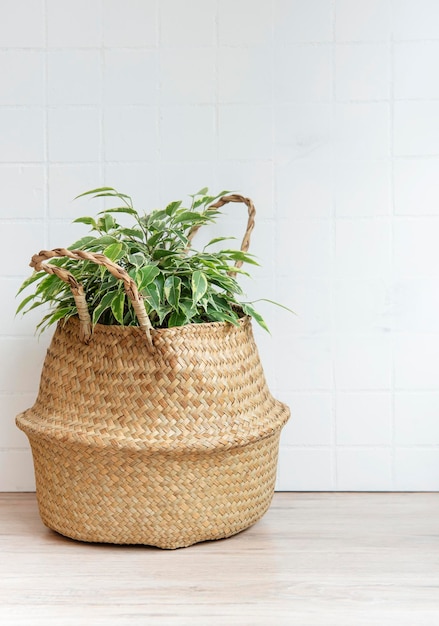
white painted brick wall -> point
(326, 112)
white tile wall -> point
(416, 252)
(364, 418)
(22, 33)
(23, 191)
(363, 361)
(415, 19)
(130, 133)
(128, 24)
(73, 134)
(412, 66)
(302, 73)
(363, 20)
(25, 85)
(416, 418)
(73, 77)
(362, 188)
(302, 130)
(185, 24)
(236, 29)
(22, 135)
(73, 26)
(362, 71)
(362, 248)
(187, 77)
(313, 423)
(306, 187)
(416, 192)
(237, 138)
(416, 128)
(368, 469)
(188, 130)
(362, 130)
(326, 113)
(244, 75)
(297, 21)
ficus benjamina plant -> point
(179, 284)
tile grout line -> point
(333, 240)
(391, 250)
(274, 198)
(158, 41)
(46, 128)
(214, 171)
(274, 202)
(102, 168)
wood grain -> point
(314, 559)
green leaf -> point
(187, 307)
(162, 312)
(100, 243)
(172, 290)
(238, 255)
(132, 232)
(145, 275)
(202, 192)
(151, 294)
(59, 314)
(199, 285)
(121, 209)
(178, 235)
(216, 240)
(154, 239)
(34, 306)
(219, 302)
(226, 282)
(104, 192)
(220, 316)
(35, 276)
(157, 216)
(282, 306)
(161, 253)
(24, 302)
(109, 222)
(249, 310)
(48, 284)
(51, 318)
(114, 251)
(177, 318)
(82, 243)
(172, 207)
(89, 221)
(98, 190)
(103, 305)
(117, 306)
(137, 259)
(189, 216)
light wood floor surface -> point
(314, 559)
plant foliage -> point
(179, 285)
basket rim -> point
(243, 321)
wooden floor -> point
(314, 559)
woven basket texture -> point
(166, 447)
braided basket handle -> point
(250, 222)
(130, 286)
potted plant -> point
(153, 422)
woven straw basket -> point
(161, 437)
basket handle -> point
(37, 263)
(250, 223)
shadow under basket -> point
(166, 447)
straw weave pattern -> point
(164, 448)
